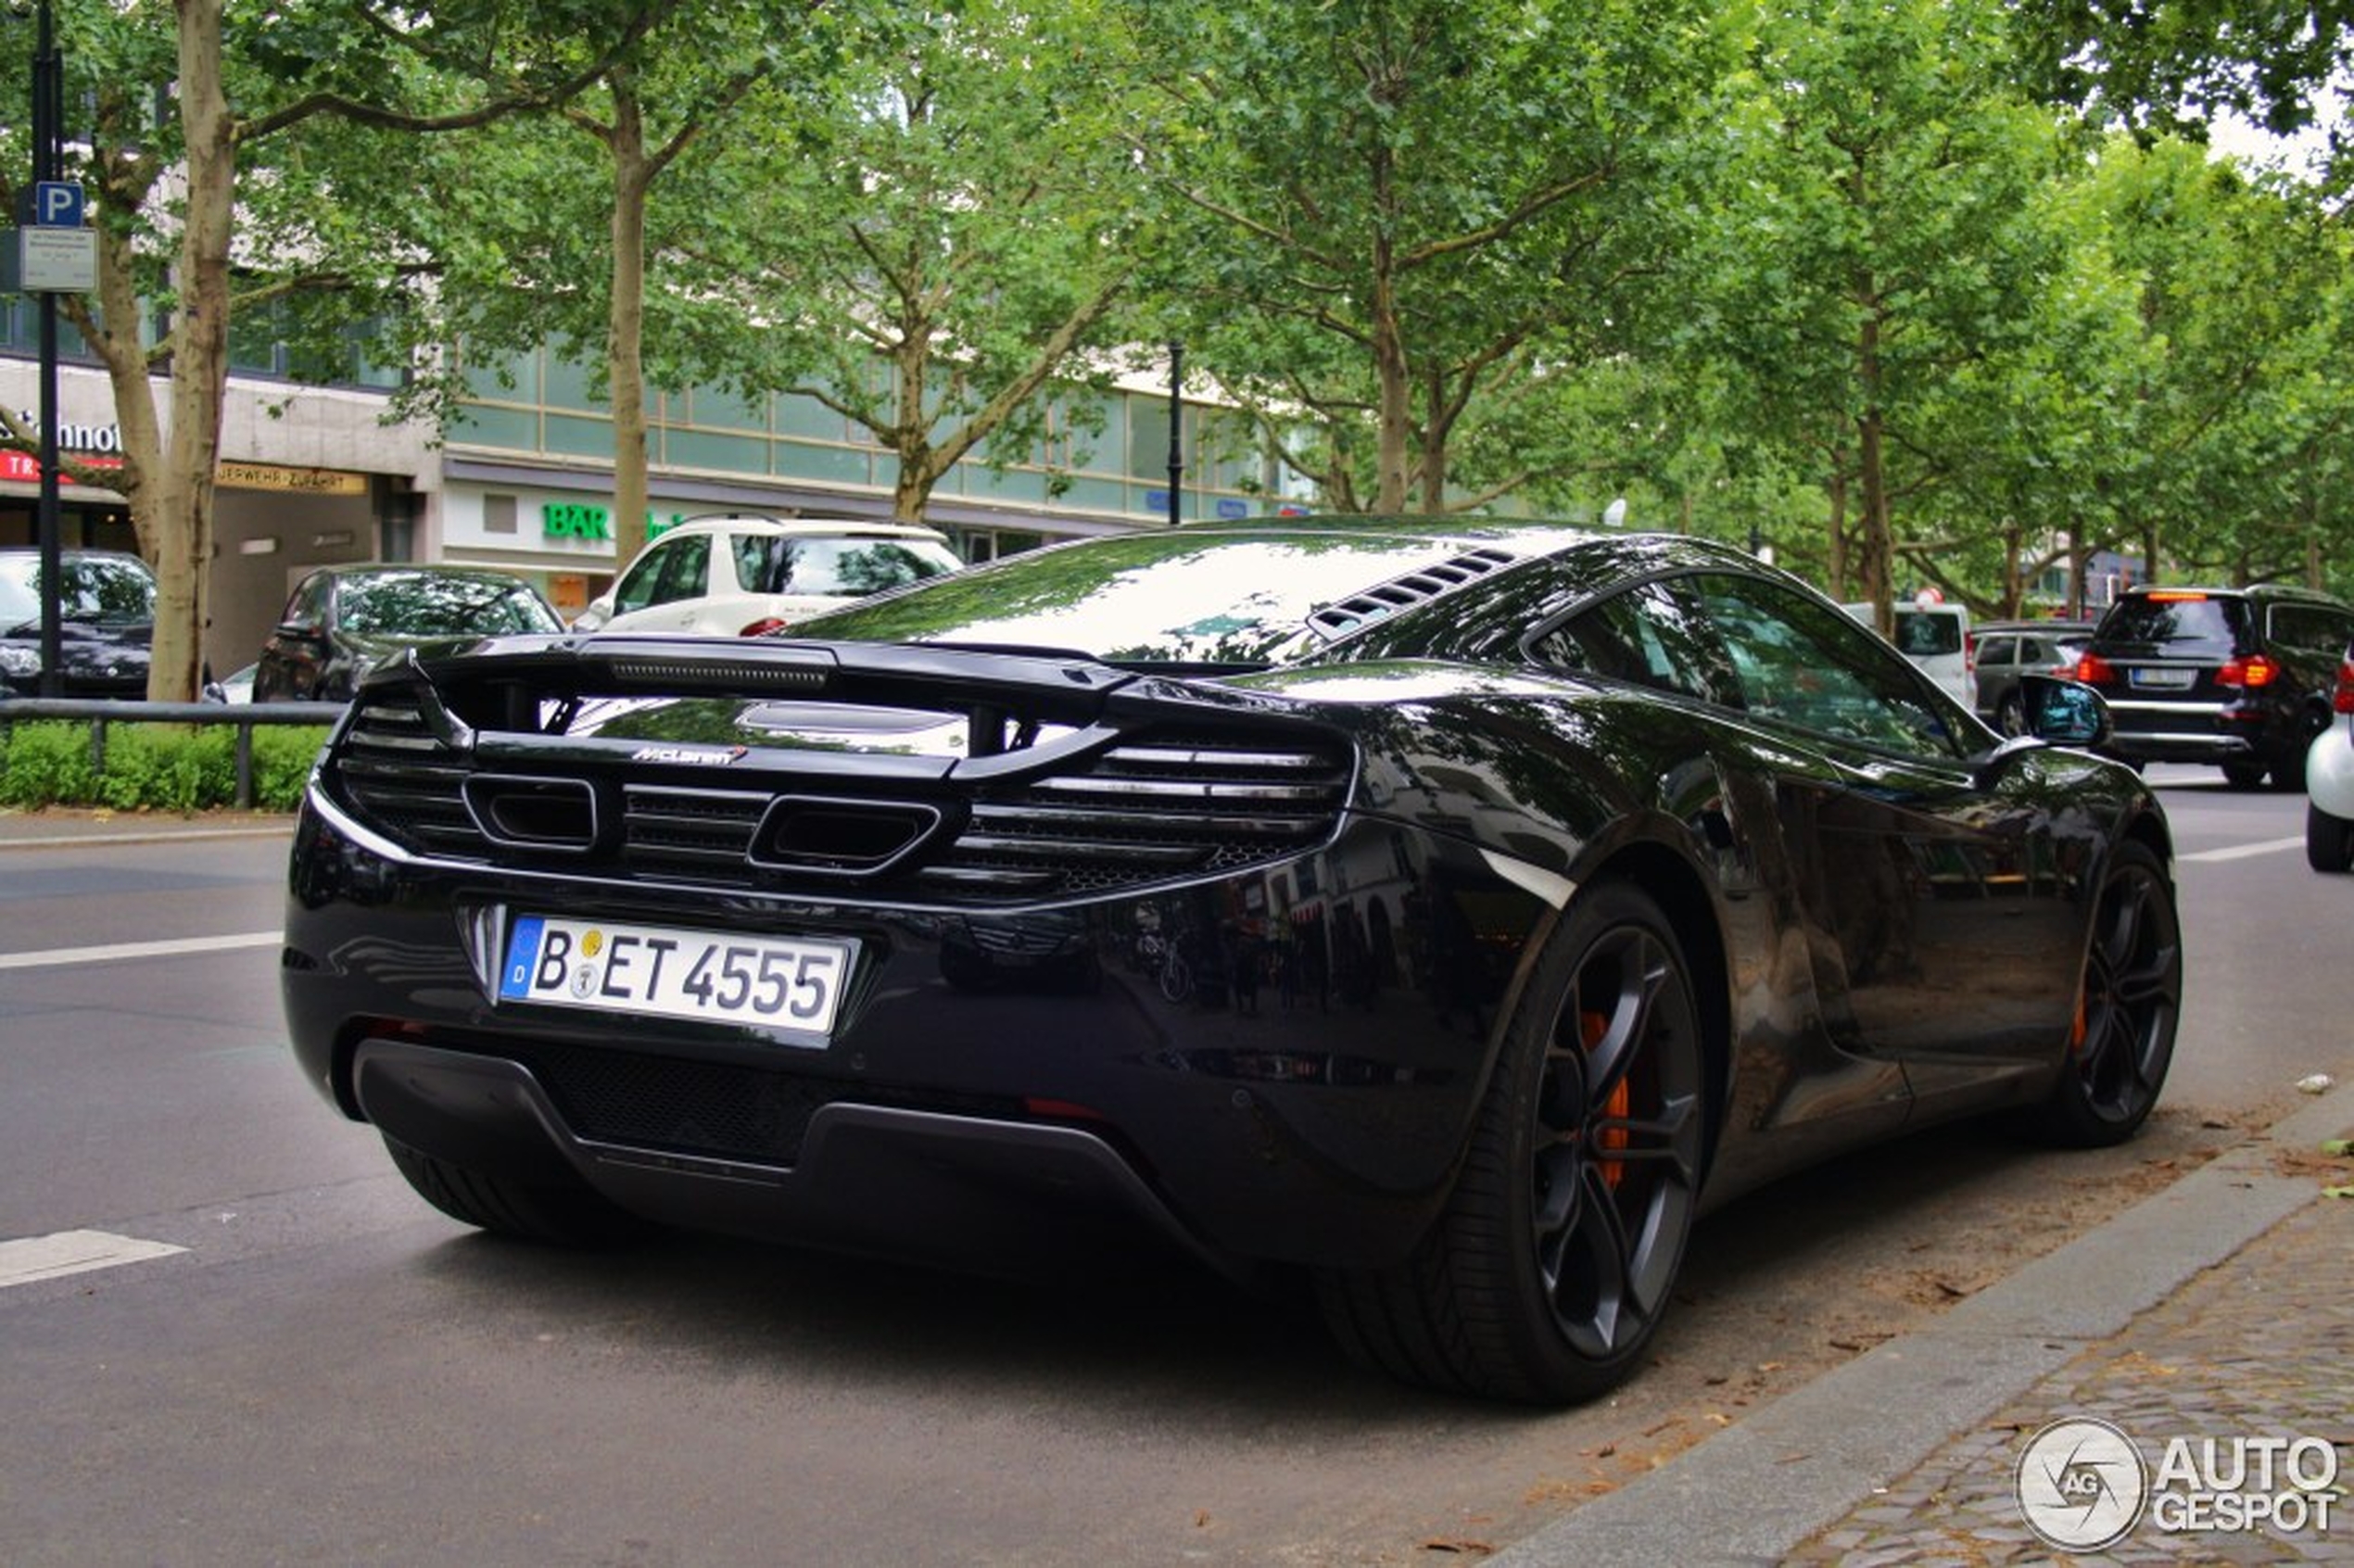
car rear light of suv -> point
(2342, 699)
(2249, 673)
(2093, 670)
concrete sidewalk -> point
(2220, 1309)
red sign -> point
(25, 469)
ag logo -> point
(2081, 1484)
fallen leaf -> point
(1465, 1549)
(2338, 1149)
(2338, 1192)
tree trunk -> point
(1873, 558)
(632, 178)
(200, 361)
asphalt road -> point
(327, 1371)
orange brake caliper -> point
(1592, 1027)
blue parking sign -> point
(56, 204)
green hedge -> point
(181, 767)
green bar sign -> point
(572, 520)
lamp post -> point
(1176, 433)
(48, 104)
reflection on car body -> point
(1523, 894)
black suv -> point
(2240, 677)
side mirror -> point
(2065, 713)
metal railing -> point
(100, 712)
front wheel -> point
(1549, 1268)
(2329, 841)
(2010, 714)
(2126, 1013)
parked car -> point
(235, 686)
(1616, 875)
(1936, 637)
(343, 620)
(2236, 677)
(2329, 779)
(729, 576)
(2004, 651)
(106, 623)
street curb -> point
(19, 835)
(1754, 1492)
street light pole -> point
(48, 105)
(1176, 433)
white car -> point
(1936, 637)
(2329, 781)
(743, 575)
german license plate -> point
(2164, 680)
(775, 983)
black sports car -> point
(1527, 886)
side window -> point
(1999, 650)
(1808, 664)
(307, 607)
(1648, 635)
(673, 569)
(754, 555)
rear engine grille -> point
(1159, 806)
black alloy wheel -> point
(2126, 1013)
(2010, 714)
(1553, 1263)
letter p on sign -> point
(56, 204)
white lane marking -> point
(2244, 852)
(138, 950)
(74, 1252)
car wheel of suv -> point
(2010, 715)
(2243, 775)
(2132, 999)
(565, 1216)
(2288, 773)
(1549, 1271)
(2329, 841)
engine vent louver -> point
(1157, 806)
(1346, 615)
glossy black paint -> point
(1877, 938)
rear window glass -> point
(1924, 634)
(2177, 625)
(852, 567)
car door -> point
(1937, 920)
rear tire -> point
(2010, 715)
(1552, 1263)
(562, 1216)
(2329, 841)
(2243, 775)
(2127, 1011)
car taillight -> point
(2343, 697)
(2250, 673)
(763, 626)
(2093, 670)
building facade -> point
(315, 475)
